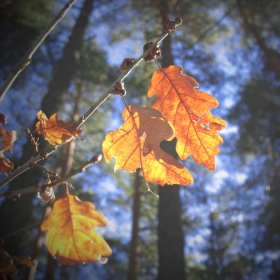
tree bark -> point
(170, 233)
(15, 215)
(134, 243)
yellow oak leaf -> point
(70, 234)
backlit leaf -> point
(56, 132)
(188, 111)
(70, 233)
(136, 144)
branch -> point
(27, 58)
(59, 181)
(44, 154)
(40, 156)
(124, 74)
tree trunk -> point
(16, 214)
(170, 233)
(134, 243)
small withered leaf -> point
(56, 132)
(5, 164)
(7, 266)
(8, 139)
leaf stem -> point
(27, 58)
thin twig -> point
(124, 74)
(27, 165)
(27, 58)
(49, 172)
(37, 188)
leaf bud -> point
(178, 21)
(96, 159)
(127, 62)
(119, 88)
(154, 51)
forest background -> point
(227, 222)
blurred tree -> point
(257, 116)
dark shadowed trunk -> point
(170, 234)
(134, 243)
(15, 215)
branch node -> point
(154, 51)
(96, 159)
(171, 25)
(127, 62)
(119, 88)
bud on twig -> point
(127, 62)
(170, 25)
(96, 159)
(119, 88)
(154, 51)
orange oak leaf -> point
(5, 164)
(70, 234)
(56, 132)
(8, 139)
(188, 111)
(137, 144)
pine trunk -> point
(134, 244)
(170, 233)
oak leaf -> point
(136, 144)
(70, 233)
(56, 132)
(188, 111)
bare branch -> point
(39, 187)
(124, 74)
(89, 112)
(42, 155)
(27, 58)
